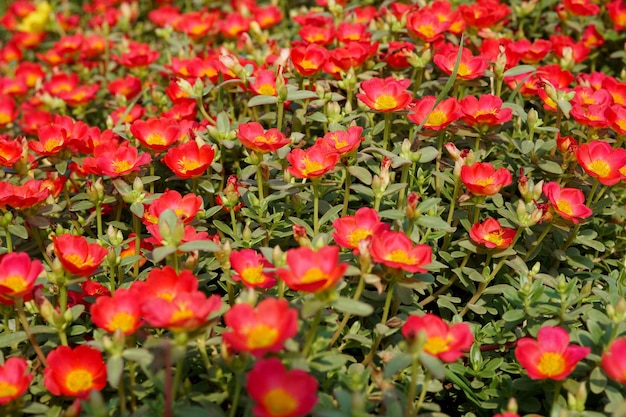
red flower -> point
(550, 356)
(267, 16)
(344, 142)
(471, 67)
(568, 202)
(115, 160)
(484, 13)
(18, 274)
(24, 196)
(156, 134)
(601, 161)
(120, 312)
(385, 95)
(312, 271)
(396, 250)
(262, 329)
(185, 312)
(249, 266)
(397, 53)
(616, 116)
(491, 234)
(484, 111)
(352, 32)
(52, 139)
(309, 59)
(614, 361)
(127, 87)
(581, 7)
(254, 137)
(138, 55)
(425, 25)
(77, 256)
(444, 341)
(481, 178)
(80, 95)
(234, 25)
(320, 35)
(446, 112)
(264, 83)
(530, 53)
(10, 151)
(278, 392)
(165, 283)
(617, 13)
(8, 112)
(312, 163)
(14, 379)
(186, 208)
(75, 372)
(189, 160)
(351, 230)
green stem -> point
(346, 318)
(280, 108)
(316, 202)
(387, 131)
(233, 223)
(99, 218)
(37, 236)
(420, 400)
(388, 300)
(409, 411)
(235, 405)
(404, 176)
(312, 333)
(152, 175)
(122, 396)
(259, 182)
(9, 240)
(201, 343)
(203, 111)
(481, 288)
(137, 229)
(536, 243)
(557, 394)
(131, 375)
(346, 192)
(440, 139)
(178, 376)
(19, 305)
(594, 188)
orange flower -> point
(481, 178)
(351, 230)
(250, 267)
(446, 112)
(471, 67)
(187, 311)
(165, 283)
(278, 392)
(312, 163)
(8, 112)
(425, 25)
(18, 274)
(77, 256)
(601, 161)
(312, 271)
(115, 160)
(138, 55)
(14, 379)
(189, 160)
(491, 234)
(264, 83)
(120, 312)
(156, 134)
(396, 250)
(127, 87)
(255, 138)
(385, 95)
(320, 35)
(262, 329)
(344, 142)
(550, 356)
(52, 139)
(186, 207)
(568, 202)
(617, 12)
(74, 372)
(444, 341)
(308, 59)
(483, 14)
(10, 151)
(484, 111)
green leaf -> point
(115, 369)
(223, 122)
(518, 70)
(301, 95)
(362, 174)
(399, 362)
(201, 245)
(18, 230)
(427, 154)
(435, 223)
(141, 356)
(262, 100)
(137, 209)
(35, 408)
(514, 315)
(331, 213)
(160, 253)
(434, 365)
(9, 339)
(550, 166)
(597, 381)
(354, 307)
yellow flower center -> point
(564, 206)
(253, 275)
(79, 96)
(79, 380)
(185, 165)
(485, 181)
(311, 166)
(261, 336)
(17, 283)
(436, 118)
(167, 296)
(436, 345)
(5, 118)
(7, 390)
(313, 275)
(495, 237)
(463, 70)
(121, 166)
(400, 256)
(551, 364)
(267, 89)
(600, 167)
(182, 313)
(280, 402)
(77, 260)
(123, 321)
(427, 30)
(385, 102)
(156, 139)
(263, 139)
(306, 64)
(358, 235)
(51, 144)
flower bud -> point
(115, 236)
(299, 234)
(411, 206)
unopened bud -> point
(278, 257)
(299, 234)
